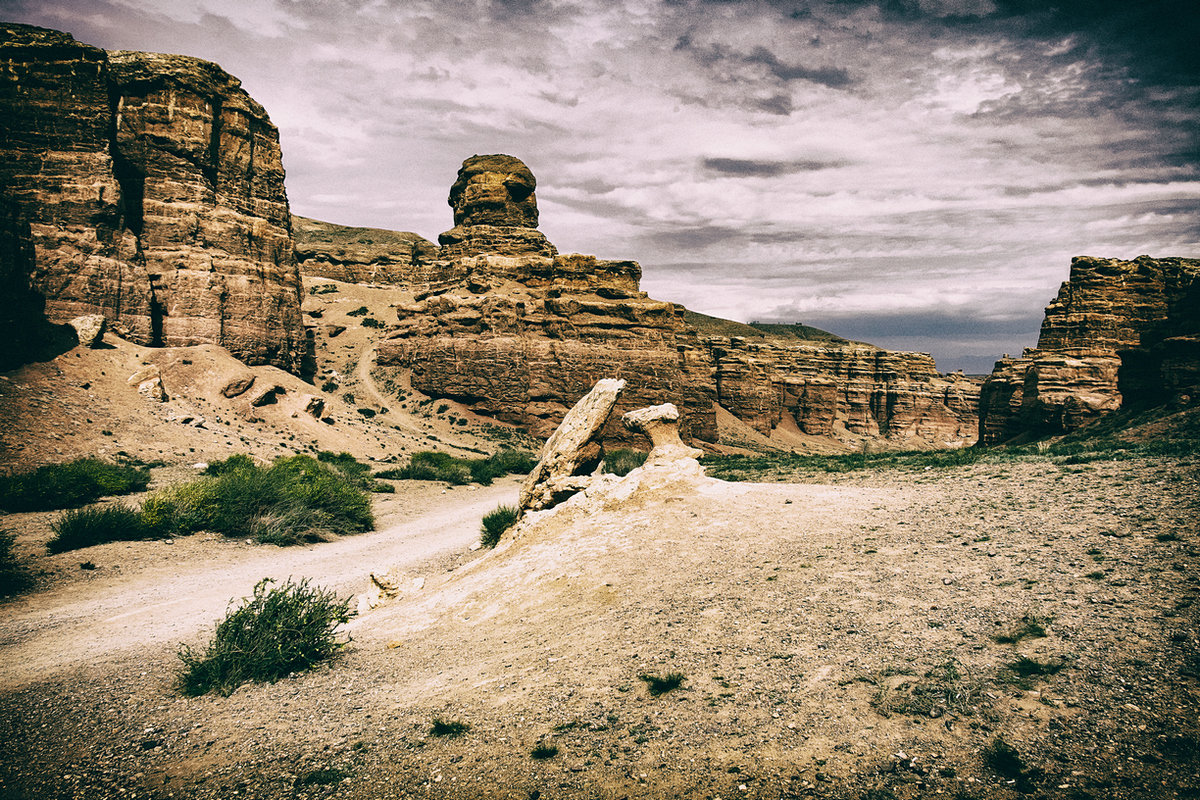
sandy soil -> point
(813, 623)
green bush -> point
(428, 465)
(623, 461)
(295, 499)
(278, 631)
(69, 485)
(14, 577)
(84, 527)
(495, 523)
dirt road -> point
(163, 594)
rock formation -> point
(1119, 333)
(367, 255)
(526, 331)
(147, 188)
(518, 331)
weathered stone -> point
(660, 424)
(314, 406)
(1116, 335)
(571, 446)
(149, 189)
(238, 385)
(265, 394)
(153, 389)
(494, 190)
(89, 328)
(367, 255)
(144, 374)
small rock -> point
(90, 329)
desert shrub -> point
(495, 523)
(277, 631)
(945, 687)
(14, 577)
(371, 322)
(295, 499)
(84, 527)
(323, 288)
(329, 386)
(623, 461)
(358, 312)
(428, 465)
(450, 728)
(70, 485)
(544, 751)
(366, 412)
(661, 684)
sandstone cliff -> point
(366, 255)
(147, 188)
(1119, 333)
(518, 331)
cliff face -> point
(1118, 333)
(149, 189)
(367, 255)
(519, 331)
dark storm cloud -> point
(753, 168)
(721, 57)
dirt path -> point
(176, 599)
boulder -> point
(265, 394)
(89, 328)
(238, 385)
(572, 446)
(660, 424)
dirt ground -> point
(838, 638)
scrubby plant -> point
(495, 523)
(661, 684)
(358, 312)
(945, 687)
(1031, 626)
(70, 485)
(371, 322)
(544, 751)
(278, 631)
(323, 288)
(92, 525)
(14, 577)
(429, 465)
(623, 461)
(295, 499)
(448, 728)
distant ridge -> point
(715, 326)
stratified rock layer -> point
(1119, 333)
(150, 190)
(520, 332)
(368, 255)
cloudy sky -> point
(913, 173)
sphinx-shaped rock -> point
(660, 424)
(573, 448)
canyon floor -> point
(840, 636)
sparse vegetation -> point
(1031, 626)
(323, 288)
(1024, 672)
(14, 576)
(277, 631)
(544, 751)
(358, 312)
(495, 523)
(295, 499)
(661, 684)
(92, 525)
(371, 322)
(945, 687)
(70, 485)
(428, 465)
(623, 461)
(448, 728)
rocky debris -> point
(333, 330)
(388, 586)
(571, 450)
(238, 385)
(366, 255)
(265, 394)
(660, 424)
(313, 406)
(153, 389)
(1119, 333)
(89, 328)
(147, 188)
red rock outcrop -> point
(526, 331)
(1119, 333)
(840, 388)
(149, 189)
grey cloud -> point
(719, 55)
(754, 168)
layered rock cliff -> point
(1119, 333)
(147, 188)
(368, 255)
(519, 332)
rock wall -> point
(150, 188)
(526, 331)
(1119, 333)
(369, 255)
